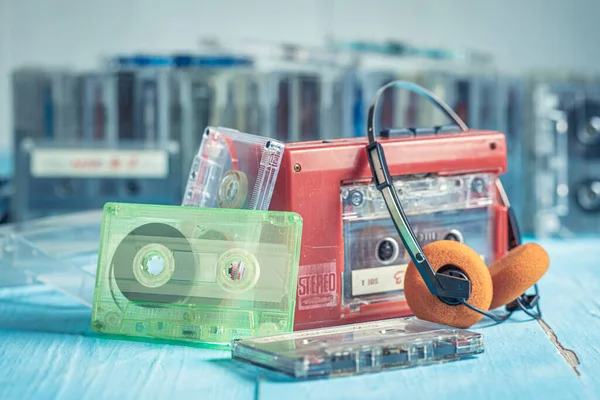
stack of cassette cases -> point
(55, 178)
(513, 103)
(47, 104)
(293, 93)
(60, 252)
(397, 108)
(143, 103)
(198, 275)
(301, 102)
(164, 98)
(465, 80)
(233, 170)
(566, 156)
(359, 348)
(470, 92)
(353, 262)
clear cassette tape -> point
(359, 348)
(61, 177)
(60, 252)
(458, 208)
(198, 275)
(233, 170)
(566, 157)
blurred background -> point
(103, 101)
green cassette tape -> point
(201, 275)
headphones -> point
(446, 281)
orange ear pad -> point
(517, 271)
(428, 307)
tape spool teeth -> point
(233, 190)
(238, 271)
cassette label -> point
(195, 274)
(61, 177)
(380, 280)
(90, 163)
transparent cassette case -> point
(233, 170)
(198, 275)
(59, 251)
(359, 348)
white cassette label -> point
(101, 163)
(378, 280)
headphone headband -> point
(445, 286)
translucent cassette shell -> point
(201, 275)
(359, 348)
(233, 170)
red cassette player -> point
(352, 260)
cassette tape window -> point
(458, 208)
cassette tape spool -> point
(455, 208)
(200, 275)
(359, 348)
(233, 170)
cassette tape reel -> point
(233, 170)
(201, 275)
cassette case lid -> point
(59, 251)
(233, 170)
(200, 274)
(359, 348)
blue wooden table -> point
(47, 351)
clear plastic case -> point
(59, 251)
(359, 348)
(199, 275)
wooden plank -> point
(43, 354)
(520, 359)
(571, 305)
(519, 362)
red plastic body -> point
(309, 183)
